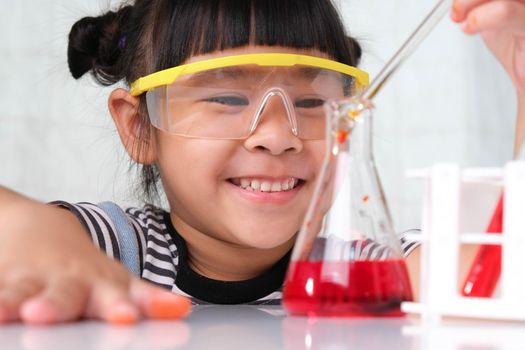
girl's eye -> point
(309, 103)
(229, 100)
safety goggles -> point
(227, 97)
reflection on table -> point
(267, 327)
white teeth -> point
(276, 187)
(266, 186)
(255, 185)
(245, 183)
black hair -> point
(151, 35)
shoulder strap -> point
(129, 250)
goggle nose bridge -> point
(290, 111)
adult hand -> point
(501, 23)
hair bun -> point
(94, 46)
(83, 45)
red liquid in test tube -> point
(485, 271)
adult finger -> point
(496, 15)
(462, 8)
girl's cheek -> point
(318, 154)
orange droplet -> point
(341, 136)
(353, 114)
(365, 198)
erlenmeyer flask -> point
(347, 260)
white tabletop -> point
(251, 328)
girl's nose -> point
(274, 129)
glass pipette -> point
(413, 41)
(408, 47)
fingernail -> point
(471, 25)
(454, 14)
(123, 314)
(455, 7)
(168, 307)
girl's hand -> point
(51, 272)
(501, 23)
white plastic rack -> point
(449, 198)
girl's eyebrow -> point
(308, 72)
(224, 74)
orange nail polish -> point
(122, 319)
(168, 307)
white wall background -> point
(450, 102)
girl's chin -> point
(263, 245)
(266, 236)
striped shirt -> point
(163, 256)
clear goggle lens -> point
(229, 102)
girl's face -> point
(219, 188)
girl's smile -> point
(263, 189)
(259, 189)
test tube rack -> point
(442, 236)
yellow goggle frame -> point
(168, 76)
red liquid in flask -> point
(370, 288)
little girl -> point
(225, 110)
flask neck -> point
(352, 133)
(361, 137)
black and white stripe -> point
(159, 255)
(98, 224)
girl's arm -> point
(51, 272)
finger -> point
(462, 8)
(14, 294)
(159, 304)
(111, 302)
(63, 299)
(496, 15)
